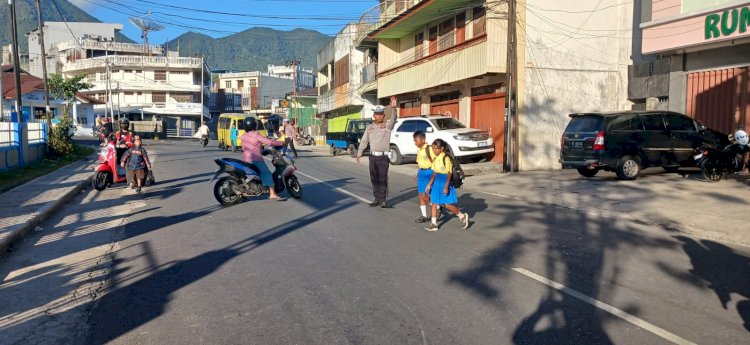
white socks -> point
(423, 208)
(434, 220)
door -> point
(488, 114)
(447, 108)
(720, 99)
(403, 137)
(684, 135)
(657, 145)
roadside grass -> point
(18, 176)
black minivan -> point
(627, 142)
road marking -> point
(344, 191)
(608, 308)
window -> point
(160, 75)
(182, 97)
(128, 71)
(407, 127)
(421, 126)
(159, 97)
(680, 123)
(139, 93)
(179, 72)
(447, 35)
(445, 97)
(433, 35)
(419, 46)
(115, 71)
(652, 122)
(461, 28)
(129, 93)
(228, 84)
(82, 120)
(585, 124)
(252, 83)
(626, 122)
(240, 84)
(448, 123)
(138, 71)
(479, 21)
(341, 71)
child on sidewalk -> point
(440, 187)
(424, 174)
(135, 159)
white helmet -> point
(741, 137)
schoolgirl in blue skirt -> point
(440, 188)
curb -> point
(17, 232)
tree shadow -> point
(720, 268)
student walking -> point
(136, 160)
(424, 173)
(440, 188)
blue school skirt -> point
(423, 179)
(436, 194)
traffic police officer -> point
(378, 136)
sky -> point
(326, 16)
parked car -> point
(465, 143)
(349, 140)
(628, 142)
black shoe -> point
(422, 219)
(383, 205)
(374, 203)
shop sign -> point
(727, 23)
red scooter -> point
(109, 171)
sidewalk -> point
(681, 202)
(26, 206)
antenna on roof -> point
(146, 25)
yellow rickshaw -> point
(228, 122)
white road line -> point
(608, 308)
(336, 188)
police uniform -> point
(378, 136)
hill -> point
(26, 17)
(253, 49)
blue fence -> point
(21, 143)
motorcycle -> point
(304, 140)
(244, 178)
(718, 163)
(204, 140)
(108, 171)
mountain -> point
(27, 21)
(253, 49)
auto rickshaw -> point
(225, 125)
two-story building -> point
(141, 82)
(696, 60)
(342, 92)
(305, 78)
(246, 91)
(450, 57)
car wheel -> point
(586, 172)
(352, 151)
(628, 168)
(396, 157)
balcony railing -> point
(110, 46)
(135, 61)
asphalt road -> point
(328, 269)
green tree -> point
(66, 89)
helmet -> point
(379, 110)
(250, 124)
(741, 137)
(124, 124)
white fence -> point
(8, 134)
(37, 133)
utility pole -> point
(509, 156)
(203, 85)
(44, 64)
(294, 64)
(16, 61)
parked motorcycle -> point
(718, 163)
(305, 140)
(109, 170)
(204, 140)
(244, 178)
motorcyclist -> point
(741, 138)
(123, 137)
(106, 130)
(203, 130)
(252, 145)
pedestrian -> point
(233, 136)
(290, 132)
(136, 161)
(440, 187)
(424, 173)
(378, 136)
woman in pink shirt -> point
(252, 146)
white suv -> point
(464, 142)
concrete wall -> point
(20, 152)
(273, 87)
(565, 70)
